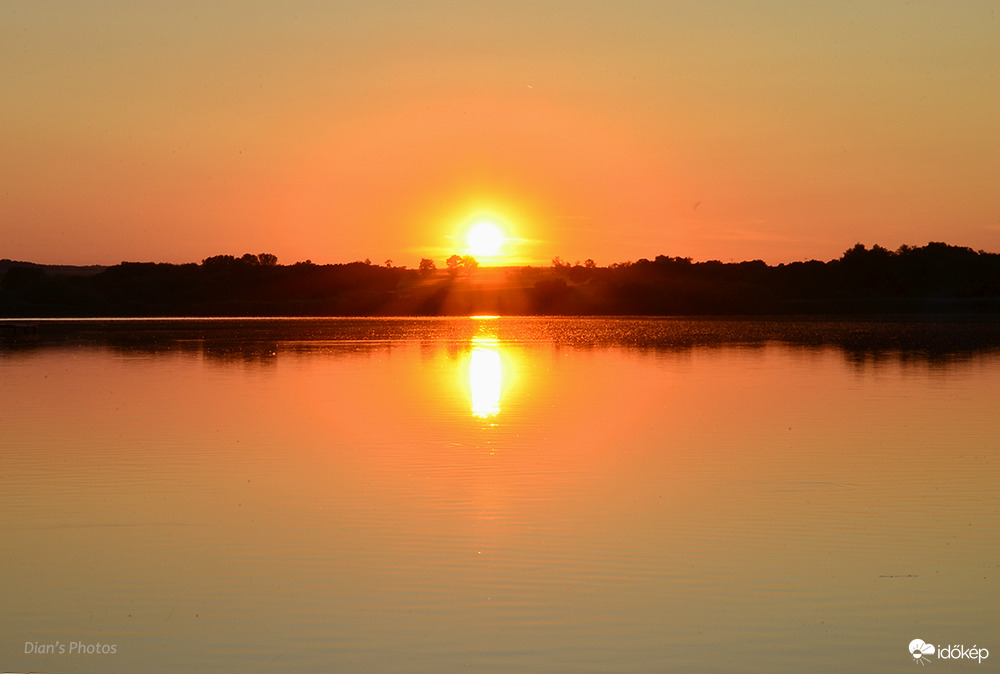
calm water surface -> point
(497, 495)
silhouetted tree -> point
(457, 262)
(427, 266)
(218, 261)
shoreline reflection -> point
(917, 340)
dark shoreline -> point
(932, 280)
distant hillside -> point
(61, 269)
(936, 278)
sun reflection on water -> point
(485, 377)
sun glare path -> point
(485, 379)
(485, 239)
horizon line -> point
(488, 265)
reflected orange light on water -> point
(268, 503)
(485, 377)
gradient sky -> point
(338, 131)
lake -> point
(499, 495)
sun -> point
(485, 239)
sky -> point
(351, 130)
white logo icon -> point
(920, 650)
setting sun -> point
(485, 239)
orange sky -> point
(611, 131)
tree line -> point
(938, 278)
